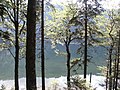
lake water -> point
(55, 65)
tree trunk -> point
(31, 46)
(110, 68)
(16, 59)
(85, 51)
(115, 67)
(16, 15)
(107, 76)
(118, 61)
(42, 47)
(68, 65)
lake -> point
(55, 65)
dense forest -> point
(50, 38)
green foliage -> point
(109, 24)
(54, 85)
(58, 28)
(66, 23)
(103, 70)
(78, 83)
(7, 32)
(75, 62)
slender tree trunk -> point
(16, 15)
(114, 79)
(85, 51)
(107, 76)
(110, 68)
(31, 46)
(118, 61)
(68, 65)
(110, 58)
(42, 47)
(110, 61)
(16, 59)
